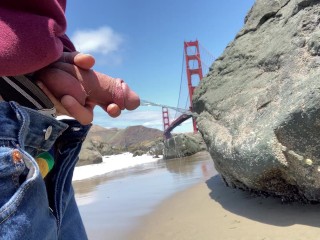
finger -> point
(84, 114)
(85, 61)
(113, 110)
(113, 90)
(60, 109)
(101, 90)
(78, 73)
(62, 83)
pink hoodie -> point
(32, 35)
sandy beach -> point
(184, 199)
(114, 196)
(210, 210)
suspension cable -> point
(181, 79)
(208, 53)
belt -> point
(23, 90)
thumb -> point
(84, 61)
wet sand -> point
(185, 199)
(112, 205)
(212, 211)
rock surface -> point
(183, 145)
(136, 139)
(259, 105)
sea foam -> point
(110, 164)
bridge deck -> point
(178, 121)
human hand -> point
(82, 60)
(68, 105)
(80, 89)
(97, 86)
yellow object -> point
(43, 166)
(45, 162)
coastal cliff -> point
(136, 139)
(259, 104)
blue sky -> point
(141, 41)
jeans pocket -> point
(24, 209)
(17, 173)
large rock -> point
(136, 139)
(183, 145)
(259, 105)
(89, 156)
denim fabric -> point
(31, 207)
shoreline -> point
(113, 204)
(111, 164)
(212, 211)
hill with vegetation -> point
(135, 139)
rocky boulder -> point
(183, 145)
(258, 107)
(135, 139)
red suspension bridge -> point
(196, 67)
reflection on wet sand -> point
(187, 165)
(113, 204)
(183, 167)
(88, 185)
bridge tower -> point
(194, 70)
(165, 118)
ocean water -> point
(115, 195)
(111, 164)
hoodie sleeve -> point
(32, 35)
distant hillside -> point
(137, 140)
(102, 141)
(135, 135)
(102, 134)
(123, 137)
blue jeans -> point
(32, 207)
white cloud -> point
(103, 40)
(141, 116)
